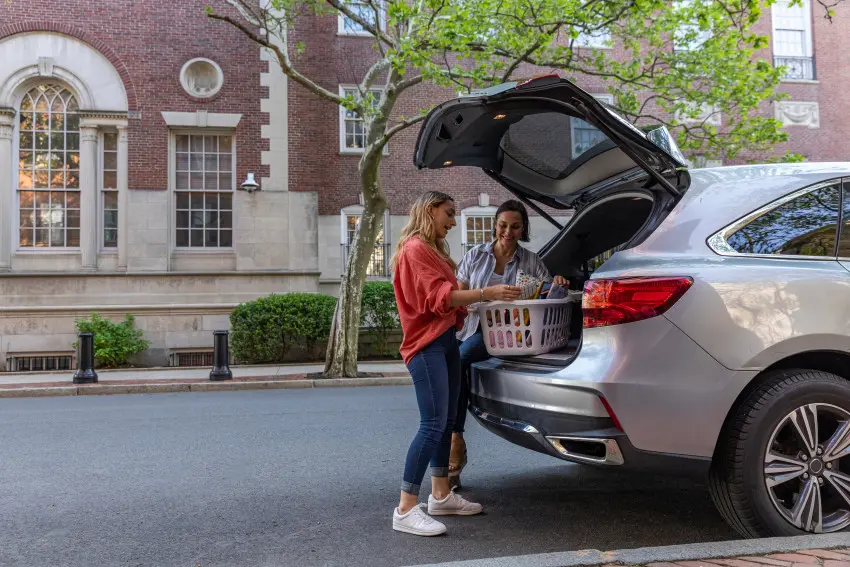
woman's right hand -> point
(501, 292)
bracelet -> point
(482, 293)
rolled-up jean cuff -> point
(410, 488)
(439, 471)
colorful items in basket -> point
(529, 285)
(534, 288)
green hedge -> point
(264, 330)
(114, 343)
(379, 313)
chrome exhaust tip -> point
(591, 450)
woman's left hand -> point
(560, 280)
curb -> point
(642, 556)
(224, 386)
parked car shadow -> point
(576, 507)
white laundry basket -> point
(525, 327)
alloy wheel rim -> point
(807, 468)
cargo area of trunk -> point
(593, 235)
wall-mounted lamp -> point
(250, 185)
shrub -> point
(265, 329)
(379, 312)
(114, 343)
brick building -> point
(127, 131)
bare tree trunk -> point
(341, 356)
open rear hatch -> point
(551, 143)
(548, 141)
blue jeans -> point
(436, 378)
(471, 350)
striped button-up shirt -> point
(477, 266)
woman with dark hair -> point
(494, 263)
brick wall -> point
(830, 43)
(148, 41)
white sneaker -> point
(417, 522)
(453, 505)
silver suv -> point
(713, 331)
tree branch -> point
(398, 128)
(411, 82)
(282, 57)
(372, 74)
(375, 30)
(518, 61)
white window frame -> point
(807, 30)
(172, 188)
(702, 36)
(340, 26)
(101, 191)
(607, 98)
(357, 211)
(600, 39)
(808, 48)
(16, 156)
(473, 212)
(343, 149)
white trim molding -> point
(795, 113)
(702, 113)
(201, 119)
(191, 89)
(33, 57)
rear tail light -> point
(615, 301)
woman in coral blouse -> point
(432, 309)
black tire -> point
(736, 479)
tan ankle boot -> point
(457, 460)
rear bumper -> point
(669, 396)
(588, 441)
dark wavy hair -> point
(516, 207)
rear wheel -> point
(782, 466)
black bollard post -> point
(85, 373)
(221, 358)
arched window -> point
(49, 169)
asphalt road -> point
(294, 477)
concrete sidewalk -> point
(162, 380)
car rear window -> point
(549, 142)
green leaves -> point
(380, 312)
(114, 343)
(266, 329)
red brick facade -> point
(148, 42)
(830, 44)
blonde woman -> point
(432, 309)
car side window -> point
(805, 226)
(844, 239)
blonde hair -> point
(421, 226)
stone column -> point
(123, 197)
(88, 197)
(7, 195)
